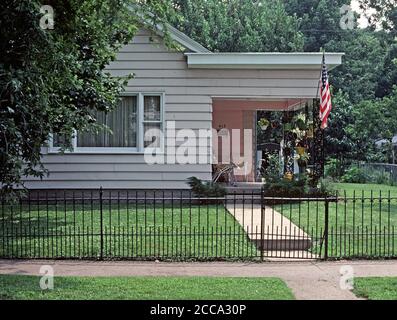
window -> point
(136, 123)
(152, 121)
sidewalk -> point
(308, 280)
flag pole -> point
(321, 70)
(318, 116)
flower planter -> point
(301, 150)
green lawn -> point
(136, 231)
(366, 188)
(358, 226)
(145, 288)
(376, 288)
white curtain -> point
(123, 124)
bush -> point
(286, 188)
(325, 188)
(299, 188)
(206, 189)
(334, 169)
(355, 175)
(271, 170)
(381, 177)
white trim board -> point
(256, 60)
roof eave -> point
(256, 60)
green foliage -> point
(385, 13)
(271, 171)
(319, 20)
(355, 174)
(325, 187)
(334, 169)
(299, 187)
(206, 189)
(375, 120)
(52, 80)
(239, 26)
(286, 188)
(339, 140)
(362, 65)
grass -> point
(145, 288)
(134, 231)
(376, 288)
(358, 226)
(350, 188)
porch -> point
(248, 131)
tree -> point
(52, 79)
(338, 136)
(388, 75)
(362, 64)
(239, 26)
(320, 20)
(385, 14)
(375, 120)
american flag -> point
(325, 96)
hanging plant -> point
(263, 124)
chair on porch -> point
(227, 171)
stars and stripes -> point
(325, 96)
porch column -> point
(318, 143)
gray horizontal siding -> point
(220, 74)
(107, 184)
(119, 176)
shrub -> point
(380, 177)
(334, 169)
(355, 175)
(206, 189)
(272, 168)
(286, 188)
(325, 188)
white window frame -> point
(139, 149)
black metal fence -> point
(163, 225)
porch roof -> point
(263, 60)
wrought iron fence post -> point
(262, 246)
(101, 221)
(326, 227)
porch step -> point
(295, 255)
(279, 233)
(244, 187)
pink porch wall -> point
(240, 114)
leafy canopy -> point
(239, 26)
(52, 79)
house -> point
(187, 88)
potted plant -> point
(303, 160)
(310, 131)
(289, 176)
(263, 124)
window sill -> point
(103, 152)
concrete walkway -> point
(280, 234)
(308, 280)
